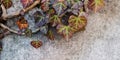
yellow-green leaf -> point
(55, 20)
(66, 31)
(77, 22)
(96, 5)
(7, 3)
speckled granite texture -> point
(100, 41)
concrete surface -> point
(100, 41)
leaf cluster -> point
(65, 16)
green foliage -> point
(56, 14)
(7, 3)
(77, 22)
(66, 31)
(28, 32)
(96, 5)
(55, 20)
(50, 35)
(52, 14)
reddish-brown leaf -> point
(22, 23)
(36, 44)
(45, 5)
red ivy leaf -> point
(7, 3)
(26, 3)
(45, 5)
(95, 5)
(77, 22)
(22, 23)
(36, 44)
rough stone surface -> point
(100, 41)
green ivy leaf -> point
(50, 35)
(96, 5)
(77, 22)
(28, 32)
(60, 4)
(59, 7)
(7, 3)
(66, 31)
(51, 12)
(55, 20)
(76, 0)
